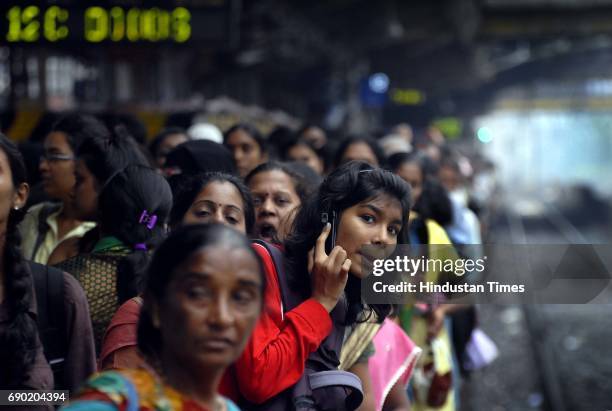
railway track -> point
(548, 355)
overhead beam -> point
(536, 23)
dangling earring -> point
(16, 208)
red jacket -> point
(274, 357)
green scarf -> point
(110, 244)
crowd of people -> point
(198, 275)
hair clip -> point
(140, 246)
(147, 219)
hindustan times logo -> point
(412, 266)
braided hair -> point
(19, 337)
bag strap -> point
(336, 378)
(39, 277)
(328, 352)
(289, 298)
(49, 288)
(326, 378)
(356, 343)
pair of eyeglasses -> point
(56, 157)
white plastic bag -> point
(480, 351)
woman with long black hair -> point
(372, 207)
(23, 362)
(133, 208)
(22, 356)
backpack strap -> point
(332, 389)
(51, 318)
(292, 299)
(289, 298)
(348, 380)
(356, 343)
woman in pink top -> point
(391, 366)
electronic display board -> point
(135, 22)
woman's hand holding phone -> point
(329, 272)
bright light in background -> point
(484, 135)
(599, 87)
(379, 82)
(538, 149)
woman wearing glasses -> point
(49, 223)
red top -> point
(276, 354)
(119, 346)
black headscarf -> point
(199, 156)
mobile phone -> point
(332, 218)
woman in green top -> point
(133, 208)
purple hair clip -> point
(147, 219)
(140, 246)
